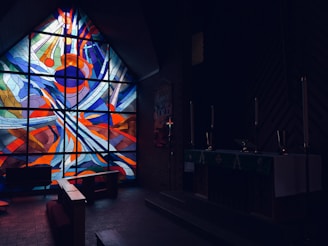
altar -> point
(268, 184)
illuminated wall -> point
(67, 100)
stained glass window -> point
(67, 100)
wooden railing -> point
(67, 215)
(89, 187)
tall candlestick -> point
(207, 139)
(278, 136)
(212, 116)
(256, 114)
(305, 112)
(192, 137)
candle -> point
(256, 115)
(192, 140)
(278, 136)
(207, 139)
(305, 112)
(212, 116)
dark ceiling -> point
(135, 29)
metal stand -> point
(209, 135)
(256, 150)
(256, 125)
(170, 123)
(307, 237)
(306, 240)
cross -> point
(169, 124)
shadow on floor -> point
(221, 224)
(25, 222)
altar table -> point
(269, 184)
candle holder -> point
(245, 145)
(209, 141)
(209, 148)
(281, 138)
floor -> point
(236, 228)
(24, 222)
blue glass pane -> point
(13, 131)
(16, 59)
(93, 60)
(123, 97)
(118, 70)
(125, 162)
(92, 132)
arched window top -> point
(70, 22)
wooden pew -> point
(67, 215)
(28, 177)
(89, 184)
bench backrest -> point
(35, 176)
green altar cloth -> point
(231, 159)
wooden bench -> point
(4, 204)
(67, 215)
(109, 237)
(88, 184)
(28, 177)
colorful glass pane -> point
(118, 71)
(123, 97)
(16, 59)
(123, 132)
(125, 163)
(13, 90)
(13, 132)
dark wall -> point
(262, 49)
(243, 52)
(161, 168)
(251, 49)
